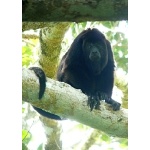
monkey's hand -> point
(93, 101)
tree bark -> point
(63, 100)
(50, 45)
(74, 10)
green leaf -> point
(124, 42)
(109, 35)
(26, 136)
(23, 109)
(24, 147)
(105, 137)
(117, 36)
(107, 24)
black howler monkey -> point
(89, 65)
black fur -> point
(46, 114)
(42, 79)
(87, 65)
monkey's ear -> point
(42, 80)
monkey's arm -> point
(105, 86)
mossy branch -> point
(63, 100)
(74, 10)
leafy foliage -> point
(28, 52)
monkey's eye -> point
(89, 46)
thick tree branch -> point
(74, 10)
(67, 102)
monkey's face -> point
(95, 54)
(93, 51)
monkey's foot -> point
(115, 105)
(103, 96)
